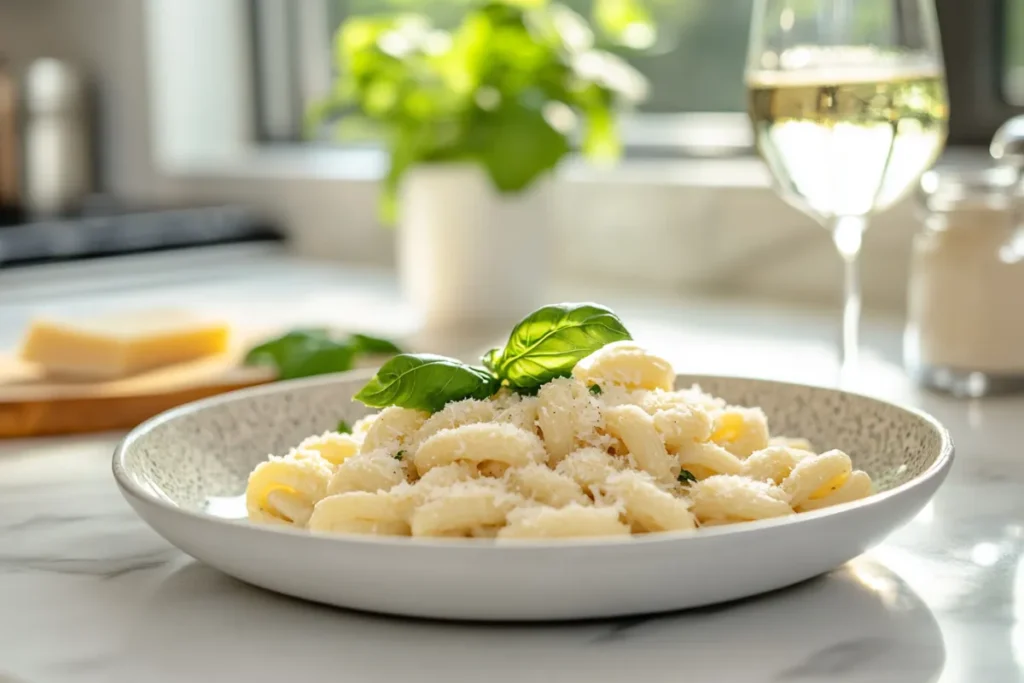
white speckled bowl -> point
(183, 470)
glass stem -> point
(847, 233)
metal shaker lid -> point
(1007, 145)
(995, 185)
(52, 86)
(984, 187)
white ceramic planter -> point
(467, 253)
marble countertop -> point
(89, 593)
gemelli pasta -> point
(611, 450)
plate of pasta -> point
(571, 474)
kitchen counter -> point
(89, 593)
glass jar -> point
(965, 328)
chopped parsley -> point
(343, 427)
(595, 390)
(686, 476)
(399, 455)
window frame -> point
(973, 42)
(292, 57)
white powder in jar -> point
(966, 295)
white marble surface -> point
(89, 593)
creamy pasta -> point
(612, 450)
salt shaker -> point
(57, 150)
(965, 328)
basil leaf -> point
(686, 477)
(491, 358)
(314, 351)
(551, 340)
(426, 382)
(595, 389)
(303, 353)
(316, 357)
(364, 343)
(517, 145)
(274, 351)
(343, 427)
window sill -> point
(368, 164)
(711, 225)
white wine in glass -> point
(849, 108)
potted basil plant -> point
(474, 120)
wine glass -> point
(849, 108)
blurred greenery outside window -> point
(693, 62)
(694, 66)
(1013, 74)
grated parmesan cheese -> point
(571, 461)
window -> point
(981, 40)
(695, 63)
(695, 66)
(1013, 54)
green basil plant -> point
(508, 88)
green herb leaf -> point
(686, 477)
(626, 21)
(550, 341)
(313, 351)
(516, 145)
(365, 343)
(303, 353)
(343, 427)
(426, 382)
(595, 389)
(319, 357)
(399, 455)
(275, 351)
(490, 358)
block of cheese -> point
(113, 346)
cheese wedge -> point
(119, 345)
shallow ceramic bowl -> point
(184, 471)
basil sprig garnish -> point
(426, 382)
(545, 345)
(549, 342)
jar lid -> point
(52, 86)
(986, 187)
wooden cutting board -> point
(33, 405)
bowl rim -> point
(936, 472)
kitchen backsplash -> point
(26, 30)
(679, 234)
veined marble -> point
(89, 593)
